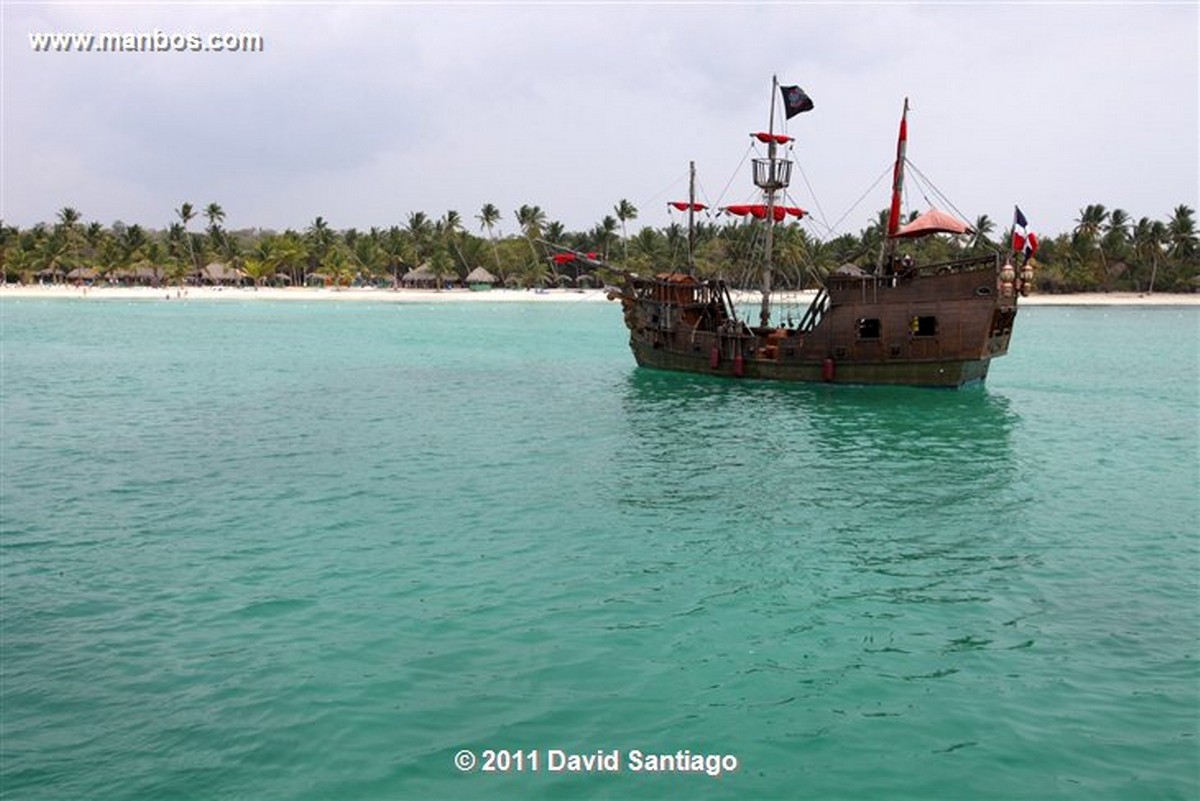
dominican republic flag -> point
(1023, 241)
(795, 101)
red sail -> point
(898, 174)
(765, 138)
(683, 205)
(759, 211)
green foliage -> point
(1107, 250)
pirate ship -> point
(890, 322)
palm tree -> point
(319, 240)
(215, 216)
(68, 218)
(369, 256)
(394, 245)
(186, 214)
(1181, 232)
(291, 255)
(625, 211)
(108, 256)
(263, 262)
(1149, 237)
(68, 229)
(604, 231)
(448, 229)
(10, 243)
(131, 239)
(793, 255)
(441, 265)
(1114, 244)
(53, 253)
(452, 221)
(339, 265)
(531, 219)
(420, 230)
(1091, 219)
(1086, 238)
(93, 234)
(488, 216)
(649, 248)
(871, 238)
(1088, 226)
(555, 232)
(983, 226)
(676, 240)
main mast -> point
(770, 175)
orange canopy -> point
(933, 221)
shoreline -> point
(316, 294)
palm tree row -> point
(1107, 250)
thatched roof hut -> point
(479, 277)
(220, 273)
(144, 274)
(423, 277)
(82, 274)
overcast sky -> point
(363, 113)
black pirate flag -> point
(795, 101)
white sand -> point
(302, 293)
(500, 295)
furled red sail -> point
(567, 258)
(683, 205)
(759, 211)
(765, 138)
(898, 173)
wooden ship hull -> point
(936, 327)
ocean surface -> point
(346, 550)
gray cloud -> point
(364, 113)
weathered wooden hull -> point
(939, 373)
(934, 330)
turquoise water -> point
(288, 551)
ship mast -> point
(770, 175)
(888, 249)
(691, 243)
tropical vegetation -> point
(1107, 250)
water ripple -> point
(274, 551)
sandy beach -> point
(493, 296)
